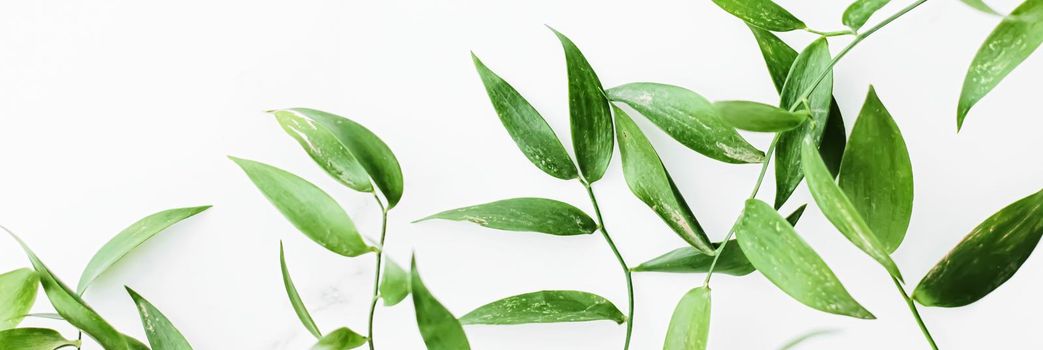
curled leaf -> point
(17, 295)
(765, 14)
(547, 306)
(295, 298)
(690, 323)
(690, 260)
(439, 328)
(162, 334)
(524, 214)
(589, 116)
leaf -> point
(793, 217)
(755, 116)
(690, 323)
(690, 260)
(776, 250)
(839, 210)
(308, 208)
(856, 15)
(524, 214)
(129, 239)
(986, 258)
(162, 334)
(876, 174)
(765, 14)
(1013, 40)
(439, 328)
(529, 130)
(589, 116)
(295, 298)
(395, 285)
(134, 344)
(981, 6)
(325, 149)
(47, 315)
(17, 295)
(648, 180)
(340, 339)
(688, 118)
(777, 55)
(548, 306)
(808, 66)
(34, 339)
(834, 140)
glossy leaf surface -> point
(17, 295)
(295, 298)
(162, 334)
(325, 149)
(589, 115)
(690, 260)
(34, 339)
(439, 328)
(394, 287)
(524, 214)
(547, 306)
(340, 339)
(690, 324)
(764, 14)
(778, 55)
(856, 15)
(755, 116)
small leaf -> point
(34, 339)
(834, 139)
(981, 6)
(524, 214)
(526, 126)
(690, 323)
(793, 217)
(688, 118)
(765, 14)
(856, 15)
(439, 328)
(649, 181)
(162, 334)
(326, 150)
(986, 258)
(839, 210)
(755, 116)
(340, 339)
(1013, 40)
(589, 116)
(547, 306)
(776, 250)
(395, 285)
(307, 207)
(876, 174)
(129, 239)
(778, 55)
(690, 260)
(295, 298)
(17, 295)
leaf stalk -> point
(622, 263)
(376, 279)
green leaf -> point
(307, 207)
(834, 140)
(47, 315)
(34, 339)
(986, 258)
(325, 149)
(340, 339)
(793, 217)
(691, 260)
(371, 152)
(765, 14)
(1013, 40)
(775, 249)
(589, 116)
(524, 214)
(547, 306)
(134, 344)
(690, 323)
(876, 174)
(17, 295)
(526, 126)
(809, 65)
(778, 55)
(395, 285)
(856, 15)
(162, 334)
(981, 6)
(688, 118)
(439, 328)
(129, 239)
(295, 298)
(840, 211)
(648, 180)
(756, 116)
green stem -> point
(380, 255)
(622, 264)
(916, 313)
(831, 34)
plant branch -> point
(622, 263)
(380, 255)
(916, 313)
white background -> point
(112, 110)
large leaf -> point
(524, 214)
(547, 306)
(526, 126)
(840, 211)
(34, 339)
(307, 207)
(856, 15)
(834, 140)
(649, 181)
(765, 14)
(688, 118)
(162, 334)
(876, 174)
(130, 238)
(987, 257)
(690, 323)
(589, 116)
(1013, 40)
(295, 298)
(690, 260)
(17, 295)
(394, 287)
(778, 55)
(371, 152)
(340, 339)
(775, 249)
(439, 328)
(755, 116)
(325, 149)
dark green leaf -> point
(439, 328)
(987, 257)
(690, 323)
(524, 214)
(691, 260)
(325, 149)
(778, 55)
(547, 306)
(834, 140)
(589, 115)
(765, 14)
(17, 295)
(395, 285)
(340, 339)
(793, 217)
(34, 339)
(162, 334)
(755, 116)
(295, 298)
(859, 12)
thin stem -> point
(916, 313)
(380, 255)
(622, 264)
(831, 34)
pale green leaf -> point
(325, 149)
(162, 334)
(765, 14)
(856, 14)
(756, 116)
(17, 295)
(524, 214)
(34, 339)
(295, 298)
(394, 287)
(547, 306)
(690, 324)
(690, 260)
(340, 339)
